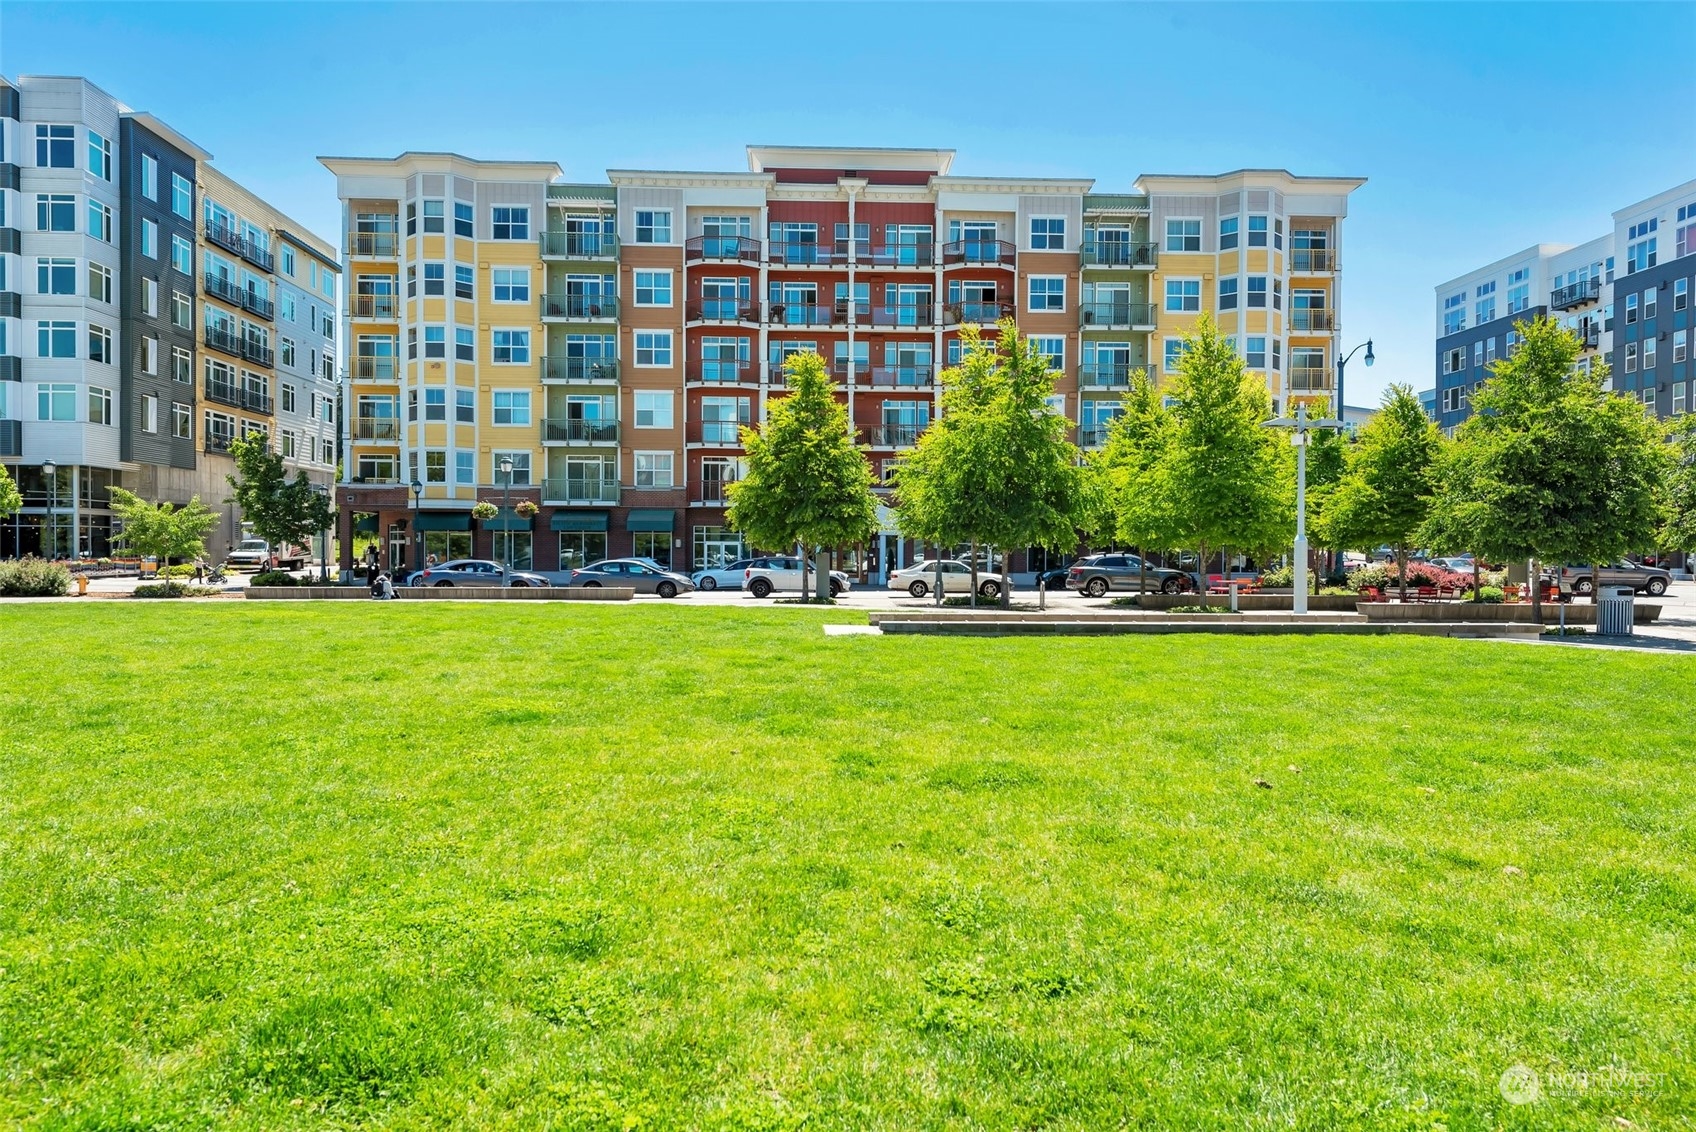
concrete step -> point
(1221, 625)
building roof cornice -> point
(424, 161)
(689, 179)
(1051, 185)
(764, 157)
(1242, 178)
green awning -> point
(443, 521)
(365, 525)
(642, 520)
(507, 521)
(579, 521)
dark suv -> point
(1098, 573)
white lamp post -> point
(51, 470)
(506, 521)
(1299, 427)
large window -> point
(1454, 313)
(435, 342)
(1183, 235)
(1484, 308)
(1048, 233)
(1048, 293)
(579, 548)
(511, 347)
(182, 196)
(59, 277)
(99, 156)
(435, 403)
(653, 226)
(56, 212)
(56, 402)
(182, 254)
(653, 469)
(653, 348)
(435, 465)
(509, 223)
(435, 278)
(1183, 295)
(653, 410)
(1257, 231)
(56, 340)
(512, 406)
(100, 221)
(653, 288)
(1256, 290)
(512, 284)
(55, 147)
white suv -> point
(768, 575)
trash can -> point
(1615, 610)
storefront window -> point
(716, 547)
(579, 548)
(653, 544)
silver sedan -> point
(643, 576)
(474, 572)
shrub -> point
(1337, 591)
(163, 590)
(1282, 576)
(34, 577)
(276, 578)
(181, 570)
(1489, 595)
(1375, 574)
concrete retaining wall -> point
(1518, 612)
(1224, 626)
(1319, 603)
(443, 593)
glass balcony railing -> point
(723, 310)
(979, 252)
(904, 377)
(919, 313)
(898, 255)
(954, 314)
(724, 373)
(805, 254)
(722, 433)
(799, 314)
(892, 435)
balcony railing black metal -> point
(223, 392)
(221, 288)
(1106, 375)
(908, 377)
(376, 428)
(1313, 259)
(726, 434)
(384, 308)
(805, 254)
(563, 489)
(256, 352)
(373, 245)
(905, 314)
(724, 373)
(580, 370)
(1575, 294)
(227, 341)
(255, 303)
(580, 245)
(714, 491)
(1115, 253)
(743, 248)
(800, 314)
(374, 368)
(723, 310)
(218, 441)
(1589, 335)
(226, 237)
(586, 307)
(574, 431)
(955, 314)
(1115, 314)
(1092, 436)
(1312, 319)
(255, 401)
(979, 252)
(892, 435)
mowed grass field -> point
(289, 866)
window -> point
(1228, 294)
(462, 287)
(285, 351)
(1257, 231)
(1680, 294)
(182, 311)
(1227, 233)
(1048, 293)
(182, 421)
(1680, 345)
(149, 179)
(1631, 301)
(1053, 349)
(435, 342)
(1255, 355)
(509, 223)
(56, 402)
(1649, 297)
(150, 298)
(99, 156)
(653, 469)
(512, 347)
(149, 355)
(182, 364)
(435, 278)
(1183, 235)
(1631, 357)
(55, 147)
(653, 288)
(1256, 289)
(288, 443)
(1454, 313)
(286, 397)
(1048, 233)
(435, 403)
(288, 261)
(435, 465)
(149, 239)
(1678, 398)
(512, 284)
(99, 405)
(56, 212)
(512, 406)
(1174, 350)
(461, 218)
(435, 219)
(59, 277)
(1183, 294)
(182, 254)
(182, 196)
(653, 410)
(653, 226)
(99, 344)
(464, 347)
(653, 348)
(1649, 353)
(1454, 360)
(100, 221)
(1640, 256)
(1478, 353)
(520, 468)
(465, 406)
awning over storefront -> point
(643, 520)
(443, 521)
(578, 521)
(365, 525)
(507, 521)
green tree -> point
(1327, 458)
(10, 500)
(280, 510)
(807, 482)
(1678, 529)
(1551, 467)
(1384, 496)
(1130, 507)
(1225, 476)
(162, 530)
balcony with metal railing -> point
(1092, 436)
(376, 428)
(580, 371)
(897, 255)
(579, 245)
(218, 441)
(1106, 375)
(843, 371)
(580, 308)
(223, 392)
(903, 377)
(572, 489)
(368, 368)
(979, 252)
(804, 254)
(915, 314)
(573, 430)
(225, 341)
(1313, 320)
(1575, 294)
(1116, 315)
(712, 493)
(225, 237)
(723, 310)
(891, 435)
(707, 372)
(718, 433)
(226, 290)
(1589, 335)
(1312, 261)
(1118, 253)
(373, 245)
(721, 249)
(983, 313)
(1310, 379)
(801, 314)
(375, 308)
(256, 352)
(256, 304)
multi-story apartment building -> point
(1622, 294)
(607, 342)
(137, 316)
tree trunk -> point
(1006, 590)
(1142, 573)
(1536, 574)
(1476, 595)
(1201, 572)
(1401, 570)
(1595, 583)
(973, 599)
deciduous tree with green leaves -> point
(807, 482)
(1226, 481)
(1384, 495)
(1130, 508)
(162, 530)
(10, 499)
(280, 510)
(1678, 528)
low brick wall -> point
(1318, 603)
(1577, 613)
(444, 593)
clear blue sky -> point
(1482, 129)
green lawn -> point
(670, 867)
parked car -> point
(920, 578)
(1459, 563)
(765, 576)
(643, 575)
(474, 572)
(1098, 573)
(729, 575)
(1651, 580)
(255, 554)
(1054, 579)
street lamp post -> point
(323, 490)
(1339, 407)
(1299, 427)
(418, 535)
(51, 471)
(506, 521)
